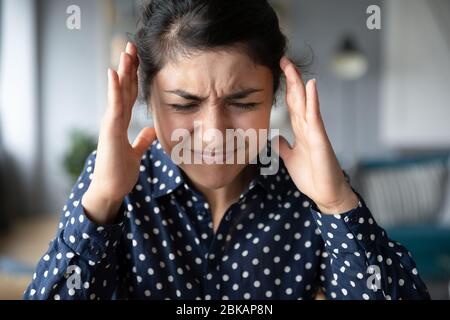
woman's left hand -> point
(311, 161)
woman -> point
(137, 225)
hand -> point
(117, 162)
(311, 162)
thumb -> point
(143, 140)
(281, 145)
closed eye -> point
(184, 107)
(191, 106)
(245, 106)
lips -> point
(206, 154)
(215, 152)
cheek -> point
(166, 123)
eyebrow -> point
(233, 96)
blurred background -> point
(383, 72)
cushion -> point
(404, 191)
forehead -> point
(213, 70)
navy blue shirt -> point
(273, 243)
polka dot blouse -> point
(273, 243)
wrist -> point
(99, 208)
(345, 203)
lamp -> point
(349, 63)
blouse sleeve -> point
(361, 262)
(81, 262)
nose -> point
(214, 122)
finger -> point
(282, 146)
(132, 51)
(295, 88)
(124, 72)
(115, 106)
(143, 140)
(312, 103)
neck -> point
(221, 199)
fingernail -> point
(128, 46)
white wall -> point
(350, 110)
(19, 109)
(73, 85)
(416, 77)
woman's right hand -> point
(117, 161)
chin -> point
(213, 176)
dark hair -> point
(172, 27)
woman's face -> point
(211, 92)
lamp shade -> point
(349, 63)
